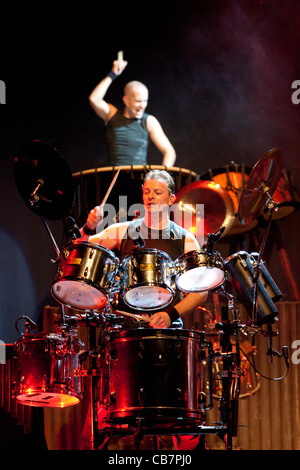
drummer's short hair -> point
(161, 175)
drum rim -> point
(170, 169)
(159, 333)
(232, 167)
(92, 245)
(146, 250)
(190, 253)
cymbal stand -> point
(256, 267)
(231, 369)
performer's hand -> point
(95, 217)
(160, 320)
(119, 66)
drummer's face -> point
(136, 102)
(156, 196)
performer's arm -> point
(161, 141)
(101, 107)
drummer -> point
(128, 131)
(155, 230)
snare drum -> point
(156, 376)
(232, 178)
(147, 279)
(199, 271)
(44, 373)
(85, 276)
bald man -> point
(128, 131)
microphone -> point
(213, 238)
(136, 237)
(139, 242)
(72, 228)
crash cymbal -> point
(203, 205)
(260, 186)
(44, 180)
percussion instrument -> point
(231, 178)
(146, 276)
(199, 271)
(126, 196)
(86, 276)
(45, 370)
(155, 375)
(240, 267)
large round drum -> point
(147, 279)
(44, 373)
(232, 178)
(155, 376)
(199, 271)
(126, 195)
(85, 276)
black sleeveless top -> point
(127, 140)
(170, 240)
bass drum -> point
(156, 376)
(126, 195)
(44, 374)
(232, 178)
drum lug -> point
(113, 398)
(59, 273)
(178, 350)
(201, 398)
(66, 254)
(141, 350)
(141, 396)
(86, 271)
(113, 354)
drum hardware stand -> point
(231, 368)
(256, 265)
(29, 324)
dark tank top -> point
(127, 140)
(170, 240)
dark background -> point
(219, 75)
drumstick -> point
(137, 317)
(120, 55)
(108, 191)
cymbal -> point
(44, 180)
(217, 210)
(260, 186)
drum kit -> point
(148, 381)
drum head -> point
(200, 279)
(78, 295)
(46, 399)
(148, 297)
